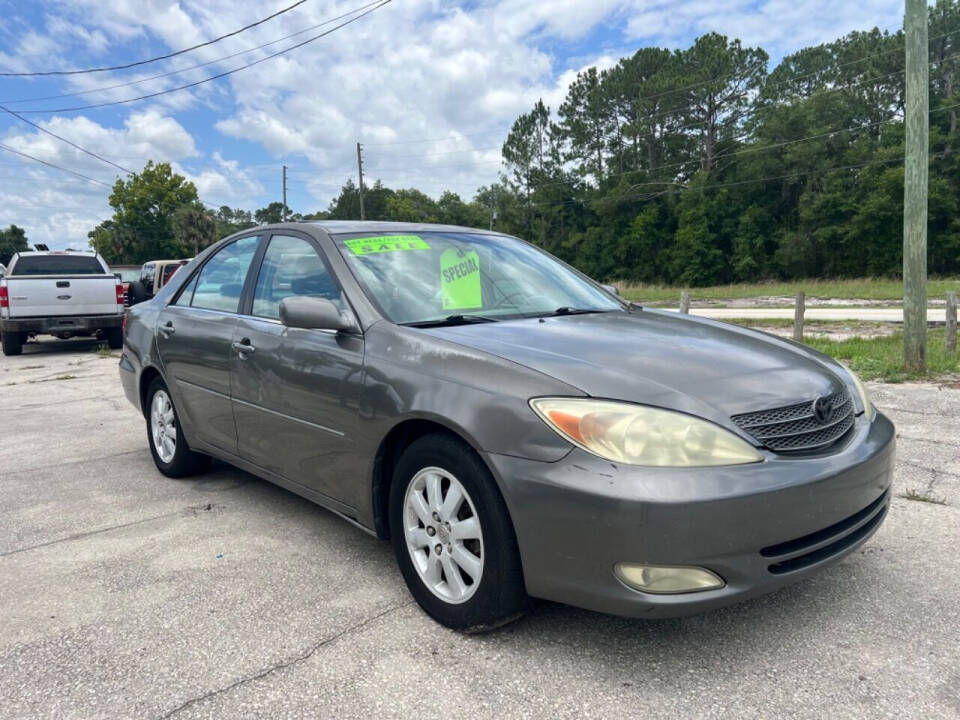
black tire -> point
(500, 596)
(12, 342)
(115, 338)
(184, 462)
(137, 293)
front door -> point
(194, 336)
(295, 391)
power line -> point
(80, 148)
(55, 167)
(129, 83)
(68, 142)
(154, 59)
(212, 77)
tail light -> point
(120, 294)
(4, 297)
(123, 325)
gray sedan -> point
(513, 428)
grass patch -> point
(882, 358)
(918, 496)
(104, 351)
(863, 288)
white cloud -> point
(410, 72)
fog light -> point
(665, 579)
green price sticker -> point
(460, 280)
(386, 243)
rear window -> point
(57, 265)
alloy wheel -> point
(443, 535)
(163, 426)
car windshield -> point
(57, 265)
(432, 276)
(127, 274)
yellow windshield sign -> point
(460, 280)
(386, 243)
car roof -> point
(25, 253)
(337, 227)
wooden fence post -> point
(951, 322)
(685, 302)
(798, 317)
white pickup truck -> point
(64, 294)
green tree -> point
(12, 240)
(141, 228)
(195, 227)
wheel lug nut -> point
(438, 548)
(449, 547)
(436, 516)
(430, 531)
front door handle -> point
(168, 329)
(243, 347)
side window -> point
(291, 266)
(147, 276)
(186, 295)
(220, 282)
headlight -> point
(869, 411)
(640, 435)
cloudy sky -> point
(429, 87)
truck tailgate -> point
(61, 295)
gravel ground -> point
(127, 594)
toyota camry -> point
(514, 429)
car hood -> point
(660, 358)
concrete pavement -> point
(127, 594)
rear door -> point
(60, 285)
(194, 334)
(295, 391)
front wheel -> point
(171, 454)
(453, 537)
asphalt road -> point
(127, 594)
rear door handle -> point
(243, 347)
(168, 329)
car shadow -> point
(55, 345)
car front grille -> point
(796, 428)
(822, 545)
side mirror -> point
(313, 313)
(612, 289)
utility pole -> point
(915, 188)
(363, 215)
(283, 213)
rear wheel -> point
(12, 342)
(115, 338)
(453, 537)
(171, 454)
(136, 292)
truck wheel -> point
(12, 343)
(115, 338)
(137, 292)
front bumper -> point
(63, 324)
(758, 527)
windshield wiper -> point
(566, 310)
(452, 320)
